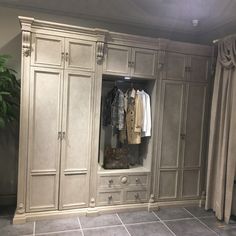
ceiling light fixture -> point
(195, 22)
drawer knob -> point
(110, 197)
(137, 180)
(124, 180)
(110, 181)
(136, 196)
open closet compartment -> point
(125, 184)
(116, 140)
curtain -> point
(222, 136)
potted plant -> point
(9, 93)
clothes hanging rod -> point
(124, 81)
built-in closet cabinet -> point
(129, 61)
(182, 126)
(67, 71)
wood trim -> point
(27, 217)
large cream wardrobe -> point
(66, 70)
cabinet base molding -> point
(44, 215)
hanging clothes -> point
(108, 105)
(147, 122)
(132, 136)
(138, 112)
(117, 110)
(113, 109)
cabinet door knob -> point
(129, 63)
(124, 180)
(59, 135)
(110, 181)
(67, 56)
(182, 136)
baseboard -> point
(23, 218)
(7, 200)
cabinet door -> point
(44, 145)
(144, 62)
(76, 142)
(80, 54)
(47, 50)
(199, 68)
(172, 114)
(172, 101)
(117, 60)
(194, 138)
(175, 66)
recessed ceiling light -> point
(195, 22)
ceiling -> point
(216, 17)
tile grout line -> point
(56, 232)
(123, 224)
(82, 232)
(178, 219)
(163, 223)
(141, 223)
(102, 227)
(34, 228)
(200, 221)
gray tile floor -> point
(189, 221)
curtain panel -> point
(222, 136)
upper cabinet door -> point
(117, 60)
(79, 54)
(47, 50)
(143, 63)
(175, 66)
(199, 68)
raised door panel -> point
(44, 145)
(47, 50)
(80, 54)
(76, 142)
(168, 184)
(172, 100)
(199, 68)
(117, 60)
(191, 183)
(175, 66)
(195, 115)
(144, 62)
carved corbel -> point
(21, 208)
(26, 43)
(100, 52)
(92, 202)
(152, 198)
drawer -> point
(136, 196)
(109, 181)
(109, 198)
(138, 180)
